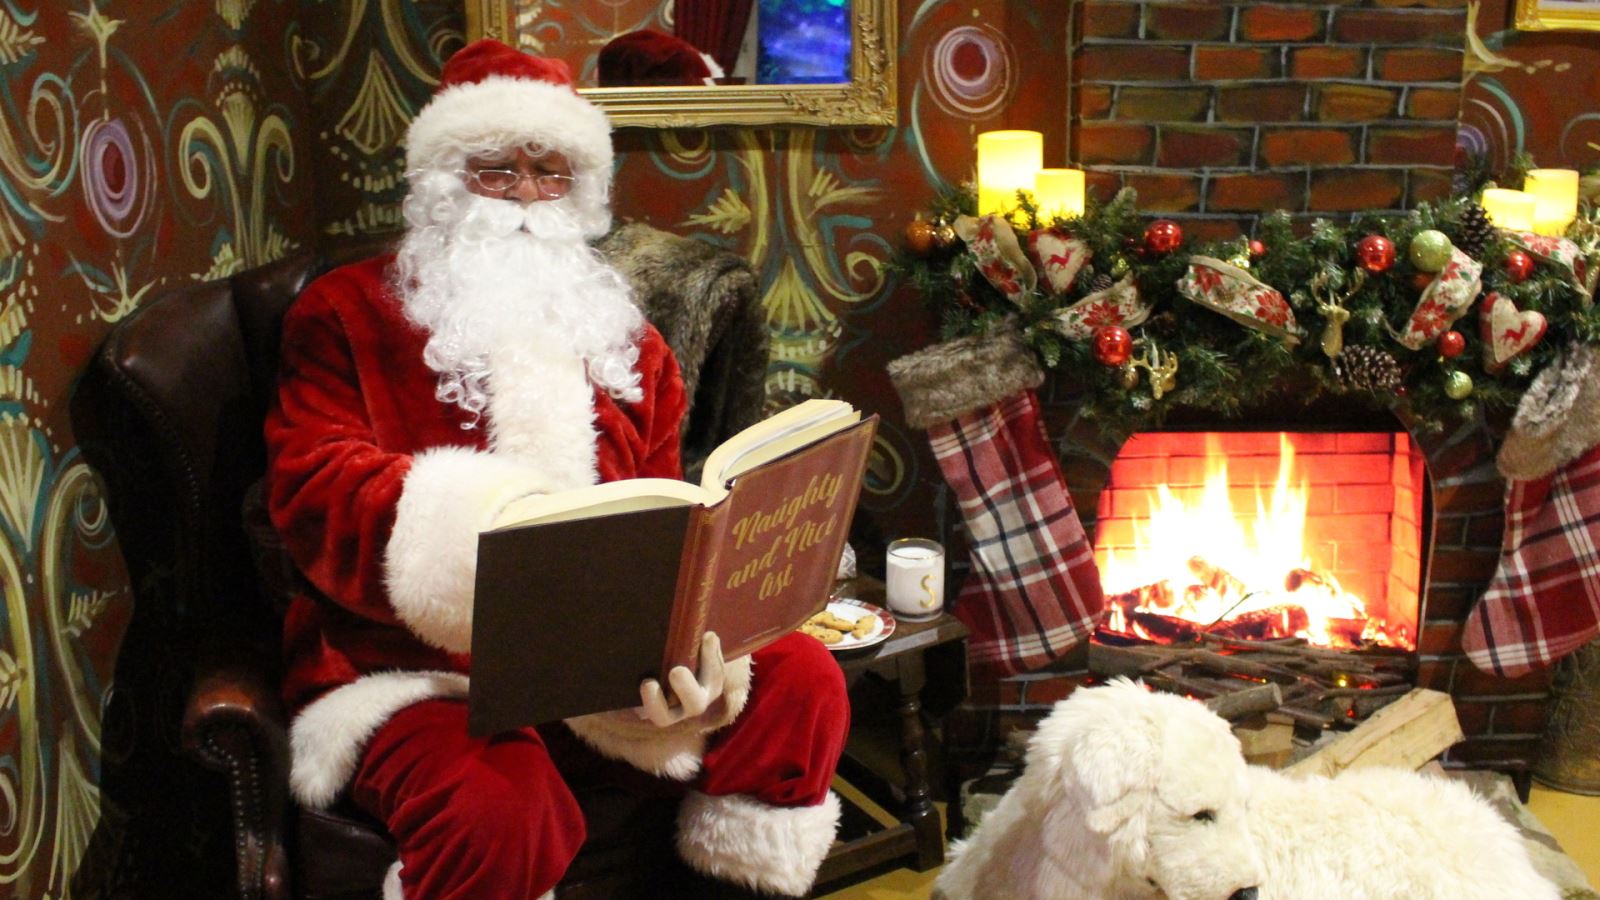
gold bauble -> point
(1458, 385)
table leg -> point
(920, 813)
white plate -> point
(853, 609)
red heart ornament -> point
(1507, 331)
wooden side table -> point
(927, 663)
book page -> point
(601, 500)
(773, 437)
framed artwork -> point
(1565, 15)
(846, 79)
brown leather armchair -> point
(170, 415)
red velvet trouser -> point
(492, 817)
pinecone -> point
(1366, 368)
(1101, 282)
(1475, 231)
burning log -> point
(1265, 622)
(1157, 595)
(1305, 578)
(1219, 580)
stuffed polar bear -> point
(1133, 795)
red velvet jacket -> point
(379, 491)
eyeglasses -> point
(497, 180)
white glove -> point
(693, 696)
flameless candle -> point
(1059, 192)
(1555, 193)
(1510, 209)
(1007, 162)
(915, 578)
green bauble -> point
(1458, 385)
(1430, 250)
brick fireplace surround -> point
(1503, 719)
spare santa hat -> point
(494, 96)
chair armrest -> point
(234, 722)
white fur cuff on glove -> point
(674, 751)
(431, 561)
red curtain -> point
(714, 26)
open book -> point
(581, 594)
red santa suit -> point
(380, 490)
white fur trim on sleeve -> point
(327, 737)
(769, 848)
(675, 751)
(431, 561)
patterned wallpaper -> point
(815, 210)
(1532, 91)
(144, 145)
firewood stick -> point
(1307, 716)
(1216, 578)
(1389, 690)
(1251, 700)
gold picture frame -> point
(869, 98)
(1564, 15)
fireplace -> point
(1456, 500)
(1263, 535)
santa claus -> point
(492, 356)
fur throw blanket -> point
(704, 301)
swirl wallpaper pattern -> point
(146, 145)
(143, 145)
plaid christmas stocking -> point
(1033, 592)
(1544, 599)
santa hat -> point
(649, 57)
(494, 96)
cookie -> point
(829, 620)
(825, 635)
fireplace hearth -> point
(1459, 503)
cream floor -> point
(1572, 818)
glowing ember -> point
(1203, 566)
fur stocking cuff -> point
(1558, 419)
(768, 848)
(673, 752)
(431, 560)
(942, 382)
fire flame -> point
(1207, 564)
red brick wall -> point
(1216, 112)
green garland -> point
(1223, 367)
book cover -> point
(572, 612)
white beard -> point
(488, 278)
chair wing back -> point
(703, 300)
(169, 412)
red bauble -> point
(1163, 236)
(1112, 345)
(1375, 253)
(1519, 265)
(919, 236)
(1257, 249)
(1421, 280)
(1451, 343)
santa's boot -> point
(754, 848)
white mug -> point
(915, 569)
